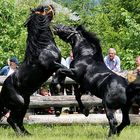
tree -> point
(12, 37)
(116, 23)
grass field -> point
(70, 132)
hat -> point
(15, 60)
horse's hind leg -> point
(16, 121)
(18, 106)
(3, 110)
(78, 95)
(55, 90)
(20, 121)
(81, 106)
(21, 116)
(112, 121)
(125, 118)
(11, 120)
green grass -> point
(70, 132)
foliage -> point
(13, 34)
(116, 22)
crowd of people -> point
(112, 61)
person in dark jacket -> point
(9, 69)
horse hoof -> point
(86, 112)
(27, 134)
(57, 113)
(22, 134)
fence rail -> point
(59, 101)
(62, 101)
(66, 101)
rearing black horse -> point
(90, 72)
(42, 59)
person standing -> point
(69, 59)
(137, 61)
(112, 61)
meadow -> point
(70, 132)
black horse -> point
(42, 59)
(90, 72)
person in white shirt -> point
(69, 59)
(112, 61)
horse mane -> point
(39, 34)
(95, 42)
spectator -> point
(44, 91)
(49, 110)
(132, 77)
(137, 70)
(10, 68)
(112, 61)
(69, 59)
(63, 61)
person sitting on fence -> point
(132, 76)
(112, 61)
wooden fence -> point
(66, 101)
(59, 101)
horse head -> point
(40, 13)
(65, 32)
(79, 35)
(39, 32)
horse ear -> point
(80, 27)
(32, 10)
(42, 9)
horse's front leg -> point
(21, 116)
(58, 80)
(18, 107)
(57, 88)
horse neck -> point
(38, 39)
(76, 40)
(98, 55)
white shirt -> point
(114, 64)
(10, 72)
